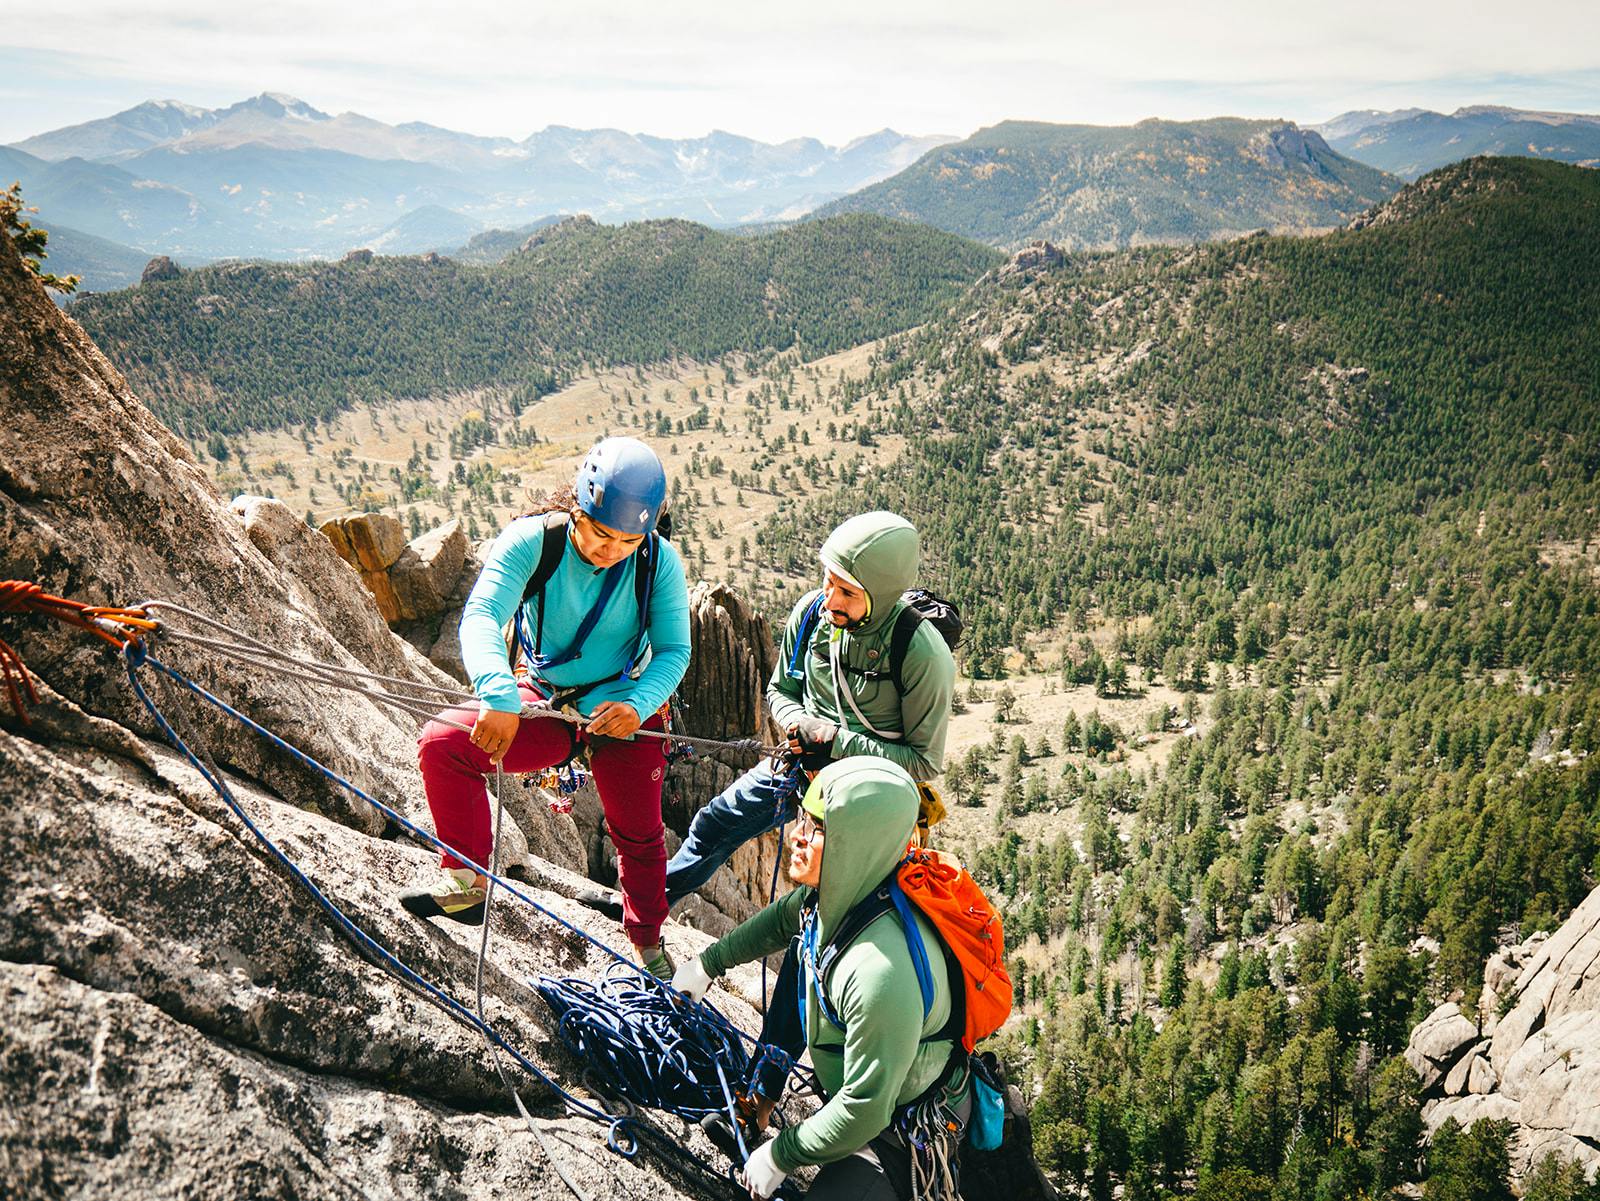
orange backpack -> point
(951, 900)
(945, 893)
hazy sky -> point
(833, 69)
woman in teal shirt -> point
(597, 636)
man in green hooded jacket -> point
(835, 696)
(873, 1048)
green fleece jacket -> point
(877, 1060)
(880, 551)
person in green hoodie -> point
(835, 697)
(873, 1048)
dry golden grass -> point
(568, 422)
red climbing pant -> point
(626, 774)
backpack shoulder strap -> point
(644, 576)
(647, 558)
(905, 629)
(551, 549)
(796, 669)
(555, 545)
(888, 895)
(868, 910)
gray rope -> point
(412, 705)
(283, 656)
(256, 653)
(477, 980)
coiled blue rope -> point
(647, 1047)
(624, 1133)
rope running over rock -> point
(700, 1027)
(410, 696)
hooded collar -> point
(878, 552)
(870, 810)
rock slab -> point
(1539, 1067)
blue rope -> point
(703, 1020)
(781, 816)
(398, 818)
(136, 656)
(647, 1047)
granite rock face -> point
(100, 503)
(427, 569)
(1538, 1065)
(178, 1018)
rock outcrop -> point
(371, 543)
(412, 582)
(1033, 259)
(427, 571)
(159, 268)
(177, 1018)
(1531, 1055)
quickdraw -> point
(562, 783)
(116, 626)
(932, 1131)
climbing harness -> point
(689, 1036)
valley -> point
(781, 433)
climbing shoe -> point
(601, 900)
(458, 895)
(720, 1131)
(656, 961)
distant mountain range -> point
(1102, 187)
(1410, 142)
(274, 177)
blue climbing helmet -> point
(621, 484)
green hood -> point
(879, 551)
(870, 808)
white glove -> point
(761, 1176)
(690, 979)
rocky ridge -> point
(1530, 1054)
(177, 1019)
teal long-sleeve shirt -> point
(568, 596)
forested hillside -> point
(1100, 186)
(1343, 491)
(264, 345)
